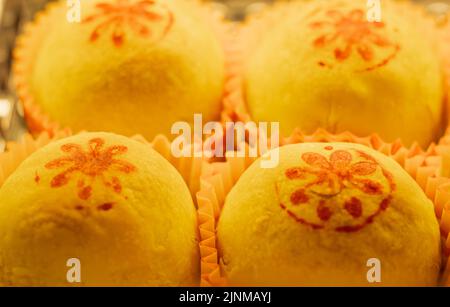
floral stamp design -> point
(94, 163)
(352, 32)
(344, 191)
(147, 18)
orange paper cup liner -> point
(27, 47)
(426, 167)
(248, 35)
(24, 54)
(17, 152)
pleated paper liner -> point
(252, 30)
(27, 47)
(17, 152)
(428, 168)
(24, 54)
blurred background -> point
(14, 13)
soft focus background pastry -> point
(321, 64)
(318, 217)
(112, 202)
(129, 67)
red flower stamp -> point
(344, 191)
(352, 32)
(94, 163)
(147, 18)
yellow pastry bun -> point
(110, 202)
(323, 64)
(128, 66)
(336, 214)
